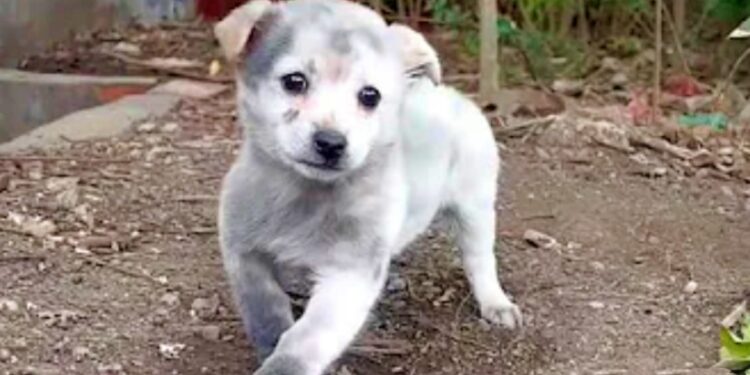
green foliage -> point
(624, 46)
(735, 346)
(449, 14)
(730, 11)
(539, 48)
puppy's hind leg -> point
(475, 219)
(264, 306)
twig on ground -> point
(610, 372)
(675, 371)
(123, 271)
(523, 128)
(539, 217)
(660, 145)
(382, 347)
(188, 231)
(196, 198)
(7, 229)
(169, 71)
(21, 159)
(21, 258)
(606, 143)
(455, 337)
(365, 350)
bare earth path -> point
(611, 300)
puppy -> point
(350, 151)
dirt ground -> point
(130, 280)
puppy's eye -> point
(294, 83)
(369, 97)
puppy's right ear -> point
(233, 32)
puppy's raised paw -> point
(504, 313)
(281, 365)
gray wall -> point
(28, 26)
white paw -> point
(504, 313)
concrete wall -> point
(28, 100)
(27, 26)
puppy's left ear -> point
(233, 32)
(417, 54)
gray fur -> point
(280, 208)
(342, 40)
(273, 43)
(261, 297)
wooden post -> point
(680, 13)
(657, 68)
(488, 65)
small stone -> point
(4, 181)
(204, 308)
(81, 353)
(34, 170)
(146, 127)
(568, 87)
(691, 287)
(9, 307)
(57, 184)
(5, 355)
(619, 80)
(170, 127)
(639, 260)
(209, 332)
(39, 228)
(171, 351)
(396, 284)
(170, 299)
(728, 192)
(659, 172)
(541, 240)
(110, 369)
(598, 266)
(127, 48)
(19, 344)
(653, 240)
(597, 305)
(42, 369)
(611, 63)
(67, 199)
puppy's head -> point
(319, 82)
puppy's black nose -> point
(329, 144)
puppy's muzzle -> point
(330, 145)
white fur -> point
(425, 150)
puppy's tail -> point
(420, 58)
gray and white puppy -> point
(345, 161)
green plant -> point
(449, 13)
(730, 11)
(539, 50)
(735, 342)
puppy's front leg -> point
(338, 308)
(265, 308)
